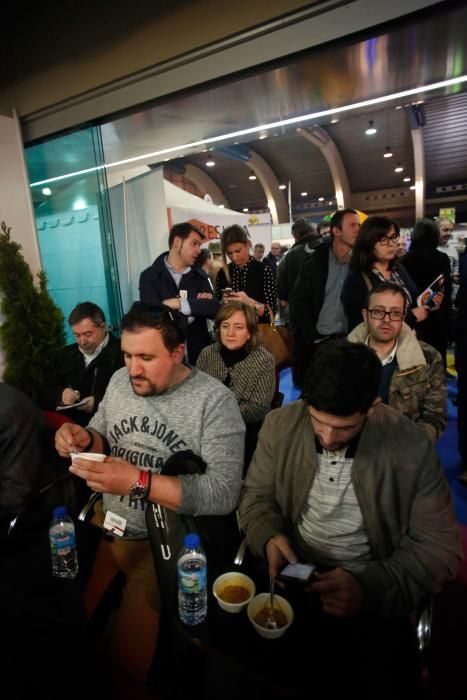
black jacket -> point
(156, 284)
(289, 267)
(305, 304)
(70, 371)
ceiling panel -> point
(445, 137)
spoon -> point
(271, 622)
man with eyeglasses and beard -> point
(154, 409)
(413, 379)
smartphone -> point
(298, 574)
(227, 291)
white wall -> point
(16, 208)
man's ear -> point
(178, 354)
(373, 406)
(365, 315)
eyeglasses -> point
(386, 240)
(380, 314)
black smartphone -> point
(298, 574)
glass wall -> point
(73, 222)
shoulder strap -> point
(369, 286)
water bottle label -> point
(63, 545)
(192, 581)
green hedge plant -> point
(32, 332)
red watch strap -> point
(143, 478)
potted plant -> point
(32, 332)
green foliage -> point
(32, 332)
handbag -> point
(278, 341)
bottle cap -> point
(191, 541)
(59, 512)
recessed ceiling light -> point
(210, 163)
(398, 107)
(387, 153)
(412, 187)
(407, 179)
(371, 129)
(245, 209)
(330, 204)
(320, 199)
(252, 176)
(221, 206)
(304, 194)
(302, 119)
(47, 191)
(282, 187)
(398, 168)
(334, 121)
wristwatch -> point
(257, 306)
(142, 487)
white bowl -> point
(233, 578)
(262, 600)
(92, 456)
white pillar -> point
(16, 207)
(419, 166)
(320, 138)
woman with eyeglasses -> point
(374, 261)
(425, 263)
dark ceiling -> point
(408, 55)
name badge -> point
(183, 294)
(114, 523)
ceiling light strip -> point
(262, 127)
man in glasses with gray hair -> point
(413, 378)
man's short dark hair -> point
(386, 287)
(183, 231)
(322, 225)
(301, 228)
(169, 323)
(86, 310)
(337, 218)
(343, 378)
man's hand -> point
(279, 552)
(70, 438)
(339, 591)
(113, 475)
(174, 303)
(70, 396)
(88, 407)
(204, 295)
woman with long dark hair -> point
(373, 261)
(250, 281)
(424, 263)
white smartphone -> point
(227, 291)
(297, 573)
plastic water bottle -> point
(192, 583)
(63, 544)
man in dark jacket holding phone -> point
(174, 280)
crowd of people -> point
(347, 477)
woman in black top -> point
(373, 261)
(250, 280)
(424, 263)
